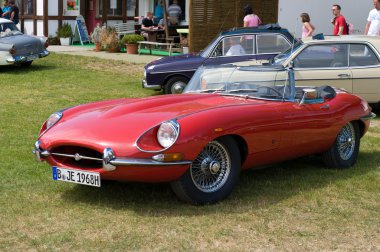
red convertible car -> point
(229, 119)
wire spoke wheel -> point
(346, 141)
(210, 170)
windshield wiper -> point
(242, 90)
(211, 90)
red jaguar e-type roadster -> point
(229, 119)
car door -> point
(365, 68)
(232, 49)
(323, 64)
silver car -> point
(18, 48)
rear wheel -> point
(212, 175)
(344, 152)
(176, 85)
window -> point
(271, 43)
(28, 7)
(234, 46)
(114, 8)
(362, 55)
(323, 56)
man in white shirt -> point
(372, 27)
(236, 49)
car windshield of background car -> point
(280, 58)
(248, 81)
(8, 29)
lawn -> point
(296, 206)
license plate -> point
(76, 176)
(31, 57)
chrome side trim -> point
(147, 162)
(154, 87)
(368, 117)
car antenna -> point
(224, 20)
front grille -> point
(77, 157)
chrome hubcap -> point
(178, 87)
(346, 141)
(210, 170)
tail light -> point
(12, 51)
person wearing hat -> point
(14, 12)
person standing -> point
(6, 10)
(158, 12)
(307, 28)
(250, 19)
(372, 27)
(174, 12)
(14, 12)
(339, 22)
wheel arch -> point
(167, 78)
(361, 127)
(241, 143)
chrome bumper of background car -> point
(109, 160)
(20, 59)
(368, 117)
(153, 87)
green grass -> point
(297, 205)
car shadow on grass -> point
(20, 69)
(257, 189)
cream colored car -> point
(348, 62)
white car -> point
(18, 48)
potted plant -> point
(96, 37)
(65, 33)
(130, 41)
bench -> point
(125, 28)
(169, 47)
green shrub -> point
(132, 39)
(65, 31)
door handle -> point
(344, 75)
(327, 106)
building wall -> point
(321, 15)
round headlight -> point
(168, 133)
(53, 119)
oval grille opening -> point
(80, 161)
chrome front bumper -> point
(109, 160)
(368, 117)
(153, 87)
(21, 59)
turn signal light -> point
(12, 51)
(168, 157)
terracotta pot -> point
(131, 48)
(98, 47)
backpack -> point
(349, 28)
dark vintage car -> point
(254, 43)
(229, 119)
(18, 48)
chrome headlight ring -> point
(53, 119)
(168, 133)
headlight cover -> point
(168, 133)
(53, 119)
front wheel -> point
(175, 85)
(344, 152)
(212, 175)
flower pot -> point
(131, 48)
(98, 47)
(64, 41)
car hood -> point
(123, 121)
(179, 62)
(24, 44)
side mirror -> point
(310, 96)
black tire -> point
(175, 85)
(212, 175)
(26, 64)
(344, 152)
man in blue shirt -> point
(6, 10)
(158, 12)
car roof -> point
(374, 40)
(3, 20)
(270, 28)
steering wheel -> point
(271, 89)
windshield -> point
(205, 52)
(8, 29)
(246, 81)
(280, 58)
